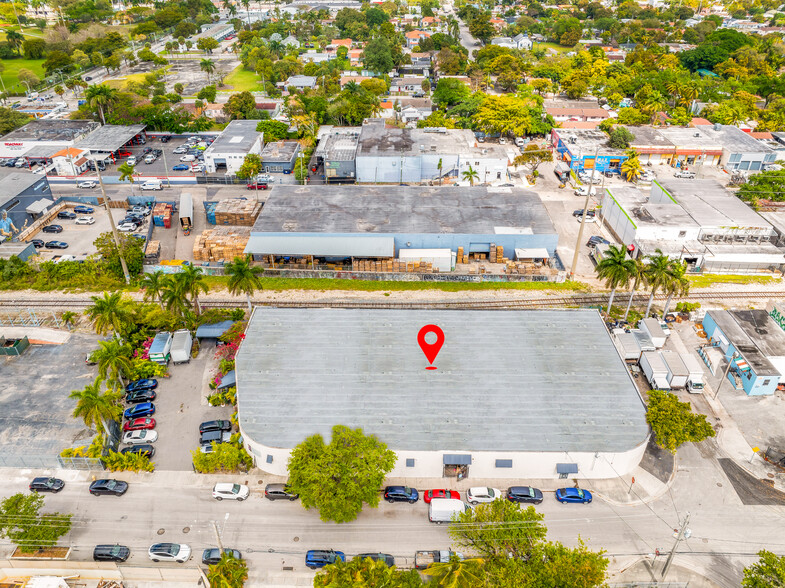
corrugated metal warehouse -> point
(516, 394)
(378, 222)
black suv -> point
(401, 494)
(144, 449)
(140, 396)
(46, 485)
(110, 486)
(52, 229)
(279, 492)
(525, 494)
(215, 426)
(111, 553)
(66, 214)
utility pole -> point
(111, 223)
(679, 537)
(218, 537)
(725, 375)
(583, 217)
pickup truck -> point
(424, 559)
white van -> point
(442, 510)
(152, 185)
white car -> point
(127, 227)
(647, 176)
(264, 179)
(87, 184)
(585, 190)
(140, 437)
(131, 160)
(188, 157)
(231, 491)
(199, 167)
(520, 141)
(180, 149)
(482, 494)
(179, 552)
(502, 141)
(589, 219)
(587, 178)
(684, 174)
(85, 220)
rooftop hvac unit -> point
(696, 135)
(573, 140)
(717, 127)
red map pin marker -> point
(430, 350)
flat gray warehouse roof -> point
(110, 138)
(546, 380)
(402, 209)
(238, 137)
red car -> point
(140, 423)
(429, 494)
(257, 186)
(123, 154)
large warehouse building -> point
(530, 407)
(376, 222)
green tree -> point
(225, 458)
(243, 277)
(130, 249)
(365, 573)
(68, 318)
(615, 269)
(208, 94)
(457, 573)
(533, 155)
(638, 277)
(251, 167)
(110, 312)
(241, 105)
(207, 44)
(470, 175)
(194, 279)
(174, 295)
(481, 28)
(498, 529)
(767, 572)
(450, 91)
(34, 48)
(22, 522)
(620, 138)
(678, 284)
(673, 422)
(340, 477)
(126, 171)
(208, 67)
(512, 115)
(96, 408)
(658, 275)
(154, 284)
(229, 572)
(11, 119)
(377, 55)
(631, 168)
(14, 40)
(27, 77)
(100, 96)
(114, 362)
(127, 462)
(274, 130)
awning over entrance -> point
(39, 206)
(536, 253)
(213, 331)
(457, 459)
(229, 379)
(566, 468)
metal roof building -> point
(532, 404)
(229, 149)
(110, 138)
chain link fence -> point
(16, 460)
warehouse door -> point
(479, 247)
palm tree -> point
(658, 275)
(229, 572)
(352, 88)
(194, 282)
(95, 408)
(246, 4)
(679, 285)
(457, 574)
(174, 295)
(470, 175)
(68, 318)
(208, 67)
(114, 362)
(243, 277)
(126, 171)
(101, 96)
(455, 28)
(631, 167)
(616, 269)
(231, 8)
(357, 572)
(653, 103)
(638, 278)
(110, 312)
(153, 285)
(14, 40)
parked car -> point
(211, 437)
(67, 214)
(198, 168)
(37, 243)
(87, 184)
(131, 160)
(88, 78)
(52, 229)
(127, 227)
(318, 558)
(212, 556)
(147, 150)
(111, 553)
(150, 158)
(231, 491)
(596, 240)
(215, 426)
(143, 210)
(579, 213)
(525, 494)
(279, 492)
(573, 495)
(56, 245)
(180, 150)
(147, 450)
(430, 494)
(165, 139)
(108, 486)
(482, 494)
(179, 552)
(140, 410)
(181, 167)
(140, 396)
(684, 174)
(585, 190)
(256, 187)
(85, 220)
(143, 384)
(385, 557)
(188, 157)
(647, 176)
(138, 424)
(84, 209)
(46, 484)
(588, 219)
(401, 494)
(140, 437)
(589, 179)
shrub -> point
(129, 462)
(226, 458)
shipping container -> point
(186, 211)
(160, 350)
(677, 371)
(181, 346)
(654, 368)
(628, 346)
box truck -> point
(181, 346)
(186, 211)
(442, 510)
(677, 371)
(695, 369)
(160, 350)
(653, 329)
(654, 368)
(424, 559)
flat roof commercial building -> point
(336, 152)
(280, 156)
(228, 151)
(46, 136)
(374, 221)
(538, 409)
(20, 191)
(111, 138)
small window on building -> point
(682, 233)
(269, 458)
(409, 462)
(477, 163)
(503, 463)
(766, 382)
(736, 157)
(755, 165)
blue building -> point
(754, 344)
(586, 149)
(23, 198)
(378, 222)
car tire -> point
(240, 499)
(156, 560)
(390, 500)
(292, 499)
(473, 502)
(412, 501)
(218, 498)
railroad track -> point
(577, 300)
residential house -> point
(415, 109)
(291, 42)
(588, 114)
(498, 23)
(356, 79)
(355, 56)
(316, 57)
(70, 161)
(413, 38)
(407, 85)
(335, 43)
(523, 42)
(420, 65)
(301, 82)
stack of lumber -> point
(235, 211)
(224, 243)
(392, 265)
